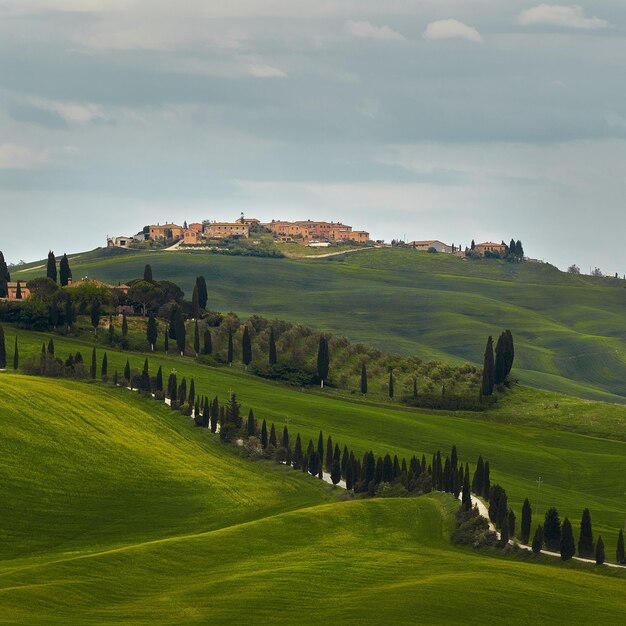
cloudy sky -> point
(449, 119)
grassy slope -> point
(522, 439)
(570, 330)
(88, 466)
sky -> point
(416, 119)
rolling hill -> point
(569, 330)
(115, 510)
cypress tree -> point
(95, 316)
(585, 539)
(323, 360)
(297, 453)
(3, 349)
(93, 369)
(195, 303)
(272, 359)
(215, 409)
(115, 379)
(387, 473)
(159, 379)
(264, 435)
(486, 481)
(202, 292)
(600, 556)
(181, 333)
(466, 498)
(335, 472)
(504, 536)
(4, 277)
(230, 354)
(16, 355)
(567, 545)
(105, 367)
(250, 424)
(488, 369)
(18, 291)
(272, 440)
(51, 269)
(51, 346)
(166, 339)
(552, 530)
(509, 354)
(111, 330)
(207, 343)
(329, 454)
(172, 323)
(152, 331)
(500, 363)
(511, 523)
(192, 392)
(320, 447)
(363, 379)
(285, 442)
(196, 339)
(124, 325)
(246, 347)
(147, 273)
(620, 554)
(538, 539)
(127, 371)
(206, 413)
(182, 391)
(349, 475)
(478, 482)
(391, 384)
(527, 515)
(65, 273)
(345, 457)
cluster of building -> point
(306, 232)
(440, 246)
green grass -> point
(569, 330)
(579, 448)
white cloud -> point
(261, 70)
(560, 15)
(368, 30)
(16, 157)
(451, 29)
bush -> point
(228, 433)
(185, 409)
(391, 490)
(472, 530)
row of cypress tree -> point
(496, 369)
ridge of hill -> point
(569, 329)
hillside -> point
(578, 447)
(115, 509)
(569, 330)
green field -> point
(114, 509)
(569, 330)
(579, 448)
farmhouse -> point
(227, 229)
(192, 237)
(119, 242)
(166, 231)
(307, 230)
(13, 292)
(440, 246)
(489, 246)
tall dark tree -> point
(391, 390)
(230, 355)
(207, 342)
(172, 324)
(181, 333)
(51, 268)
(298, 455)
(65, 273)
(18, 291)
(215, 410)
(509, 352)
(272, 440)
(152, 331)
(5, 277)
(335, 472)
(552, 530)
(16, 355)
(272, 359)
(488, 369)
(620, 554)
(195, 303)
(567, 546)
(95, 316)
(159, 379)
(363, 378)
(600, 556)
(538, 539)
(264, 440)
(251, 424)
(511, 523)
(285, 441)
(124, 325)
(486, 481)
(500, 362)
(147, 273)
(585, 539)
(196, 338)
(323, 360)
(191, 398)
(478, 483)
(202, 292)
(93, 370)
(51, 346)
(328, 458)
(466, 498)
(127, 371)
(320, 447)
(246, 347)
(104, 368)
(527, 516)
